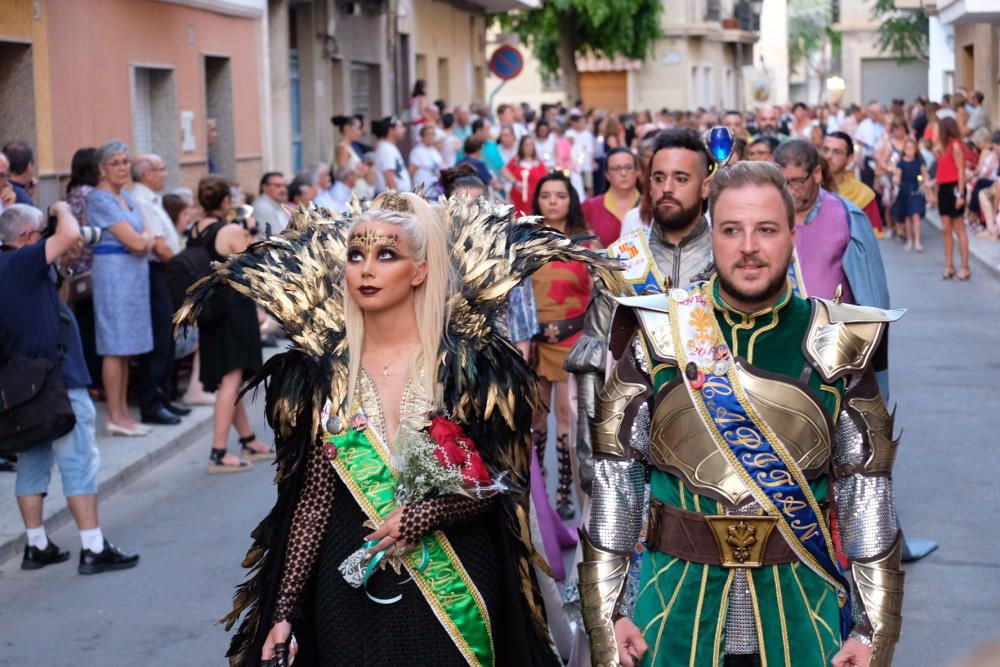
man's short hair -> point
(141, 165)
(19, 155)
(295, 188)
(620, 150)
(772, 142)
(746, 174)
(799, 105)
(343, 173)
(977, 96)
(797, 153)
(18, 219)
(472, 145)
(846, 138)
(267, 177)
(732, 112)
(682, 137)
(503, 107)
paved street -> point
(191, 529)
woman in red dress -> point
(562, 294)
(524, 171)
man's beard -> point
(677, 219)
(762, 295)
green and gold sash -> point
(364, 464)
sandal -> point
(538, 441)
(948, 274)
(963, 275)
(216, 465)
(250, 454)
(564, 485)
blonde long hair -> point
(425, 232)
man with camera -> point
(35, 324)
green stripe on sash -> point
(367, 471)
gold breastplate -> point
(680, 442)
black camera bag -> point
(34, 404)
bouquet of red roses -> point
(434, 459)
(440, 459)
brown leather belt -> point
(729, 540)
(559, 330)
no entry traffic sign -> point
(506, 62)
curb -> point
(985, 255)
(196, 432)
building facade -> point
(976, 25)
(338, 57)
(700, 61)
(150, 72)
(870, 75)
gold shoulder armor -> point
(842, 338)
(653, 315)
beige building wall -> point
(85, 55)
(858, 41)
(685, 73)
(977, 63)
(449, 51)
(772, 47)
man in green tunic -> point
(734, 576)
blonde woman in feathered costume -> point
(395, 316)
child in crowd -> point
(910, 205)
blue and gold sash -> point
(795, 277)
(364, 464)
(746, 441)
(640, 272)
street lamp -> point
(835, 87)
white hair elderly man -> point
(35, 324)
(7, 194)
(149, 175)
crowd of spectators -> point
(894, 162)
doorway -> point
(221, 153)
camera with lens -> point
(242, 214)
(91, 235)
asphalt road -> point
(192, 529)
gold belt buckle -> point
(741, 539)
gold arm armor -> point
(602, 580)
(878, 423)
(606, 429)
(879, 586)
(842, 339)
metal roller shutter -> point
(882, 80)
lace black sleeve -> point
(308, 527)
(421, 518)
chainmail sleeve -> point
(621, 435)
(864, 451)
(309, 522)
